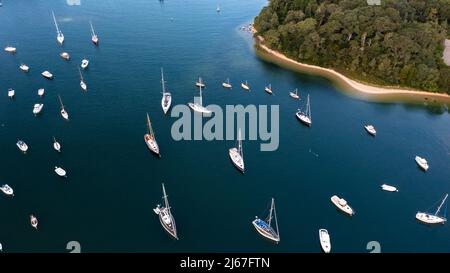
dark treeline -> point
(400, 42)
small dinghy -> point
(84, 63)
(11, 93)
(65, 56)
(22, 146)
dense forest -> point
(399, 42)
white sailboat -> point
(341, 204)
(60, 35)
(294, 94)
(200, 83)
(6, 189)
(422, 162)
(433, 218)
(166, 99)
(82, 83)
(37, 108)
(41, 92)
(198, 107)
(56, 145)
(60, 171)
(64, 113)
(150, 139)
(227, 84)
(268, 89)
(237, 154)
(245, 86)
(305, 116)
(325, 241)
(264, 226)
(165, 216)
(94, 37)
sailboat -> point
(227, 84)
(60, 35)
(94, 36)
(82, 83)
(166, 99)
(64, 113)
(245, 86)
(433, 218)
(268, 89)
(294, 94)
(198, 107)
(150, 139)
(165, 216)
(264, 227)
(200, 83)
(237, 154)
(56, 145)
(305, 116)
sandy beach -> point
(349, 86)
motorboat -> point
(37, 108)
(422, 162)
(24, 67)
(60, 171)
(6, 189)
(11, 93)
(325, 241)
(389, 188)
(341, 204)
(41, 92)
(84, 63)
(370, 129)
(47, 75)
(22, 146)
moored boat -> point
(264, 226)
(325, 241)
(342, 205)
(46, 74)
(37, 108)
(433, 218)
(150, 139)
(165, 216)
(6, 189)
(422, 162)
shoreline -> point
(349, 86)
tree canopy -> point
(399, 42)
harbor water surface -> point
(114, 181)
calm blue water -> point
(114, 182)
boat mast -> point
(163, 82)
(81, 76)
(443, 201)
(308, 109)
(201, 100)
(276, 221)
(56, 24)
(166, 201)
(60, 101)
(241, 151)
(149, 125)
(271, 209)
(92, 28)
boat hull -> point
(325, 241)
(265, 230)
(152, 145)
(170, 228)
(166, 102)
(303, 119)
(344, 208)
(430, 219)
(294, 96)
(236, 159)
(198, 108)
